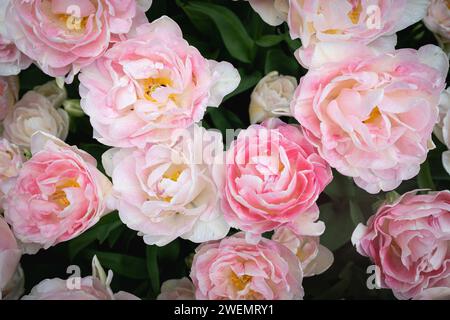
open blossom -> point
(150, 85)
(58, 194)
(438, 21)
(314, 257)
(273, 176)
(272, 97)
(62, 36)
(33, 113)
(177, 289)
(442, 127)
(273, 12)
(409, 241)
(9, 93)
(95, 287)
(234, 269)
(11, 161)
(10, 255)
(371, 113)
(349, 21)
(171, 190)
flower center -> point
(151, 84)
(73, 22)
(332, 31)
(173, 175)
(59, 196)
(355, 13)
(240, 282)
(374, 115)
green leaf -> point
(339, 226)
(277, 60)
(292, 44)
(170, 252)
(233, 33)
(152, 268)
(114, 236)
(269, 40)
(99, 232)
(125, 265)
(424, 179)
(355, 213)
(224, 119)
(75, 246)
(340, 188)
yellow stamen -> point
(60, 196)
(332, 31)
(374, 115)
(151, 84)
(173, 175)
(72, 22)
(355, 13)
(240, 282)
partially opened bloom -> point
(177, 289)
(9, 93)
(273, 12)
(150, 85)
(11, 161)
(272, 97)
(34, 112)
(409, 241)
(62, 36)
(10, 255)
(172, 190)
(95, 287)
(442, 127)
(273, 177)
(438, 21)
(349, 21)
(58, 194)
(52, 92)
(371, 113)
(314, 257)
(234, 269)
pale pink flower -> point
(12, 61)
(314, 257)
(409, 241)
(166, 191)
(11, 161)
(10, 255)
(58, 194)
(273, 176)
(272, 97)
(361, 21)
(62, 36)
(442, 127)
(95, 287)
(177, 289)
(34, 112)
(234, 269)
(371, 113)
(150, 85)
(9, 93)
(438, 21)
(273, 12)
